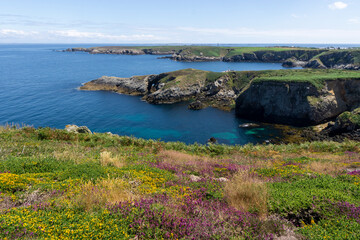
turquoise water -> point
(39, 88)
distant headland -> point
(319, 58)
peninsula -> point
(288, 56)
(303, 97)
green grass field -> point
(240, 79)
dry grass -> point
(247, 193)
(188, 161)
(6, 203)
(107, 160)
(70, 154)
(330, 168)
(105, 191)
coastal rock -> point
(172, 87)
(132, 86)
(347, 66)
(249, 125)
(197, 105)
(294, 103)
(293, 62)
(212, 140)
(75, 50)
(193, 58)
(316, 63)
(76, 129)
(345, 123)
(172, 95)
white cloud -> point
(187, 35)
(103, 36)
(13, 32)
(354, 20)
(338, 5)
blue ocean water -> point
(38, 87)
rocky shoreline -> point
(332, 97)
(165, 88)
(289, 57)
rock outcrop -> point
(346, 122)
(168, 88)
(131, 86)
(297, 103)
(77, 129)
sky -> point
(185, 21)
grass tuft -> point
(246, 192)
(107, 160)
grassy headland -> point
(60, 185)
(290, 56)
(316, 77)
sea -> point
(39, 87)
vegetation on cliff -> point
(316, 77)
(61, 185)
(289, 56)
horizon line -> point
(181, 43)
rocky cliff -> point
(167, 88)
(131, 86)
(289, 56)
(298, 103)
(297, 97)
(275, 56)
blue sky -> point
(185, 21)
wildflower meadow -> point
(60, 185)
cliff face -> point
(338, 60)
(274, 56)
(297, 103)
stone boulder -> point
(77, 129)
(197, 105)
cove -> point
(39, 88)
